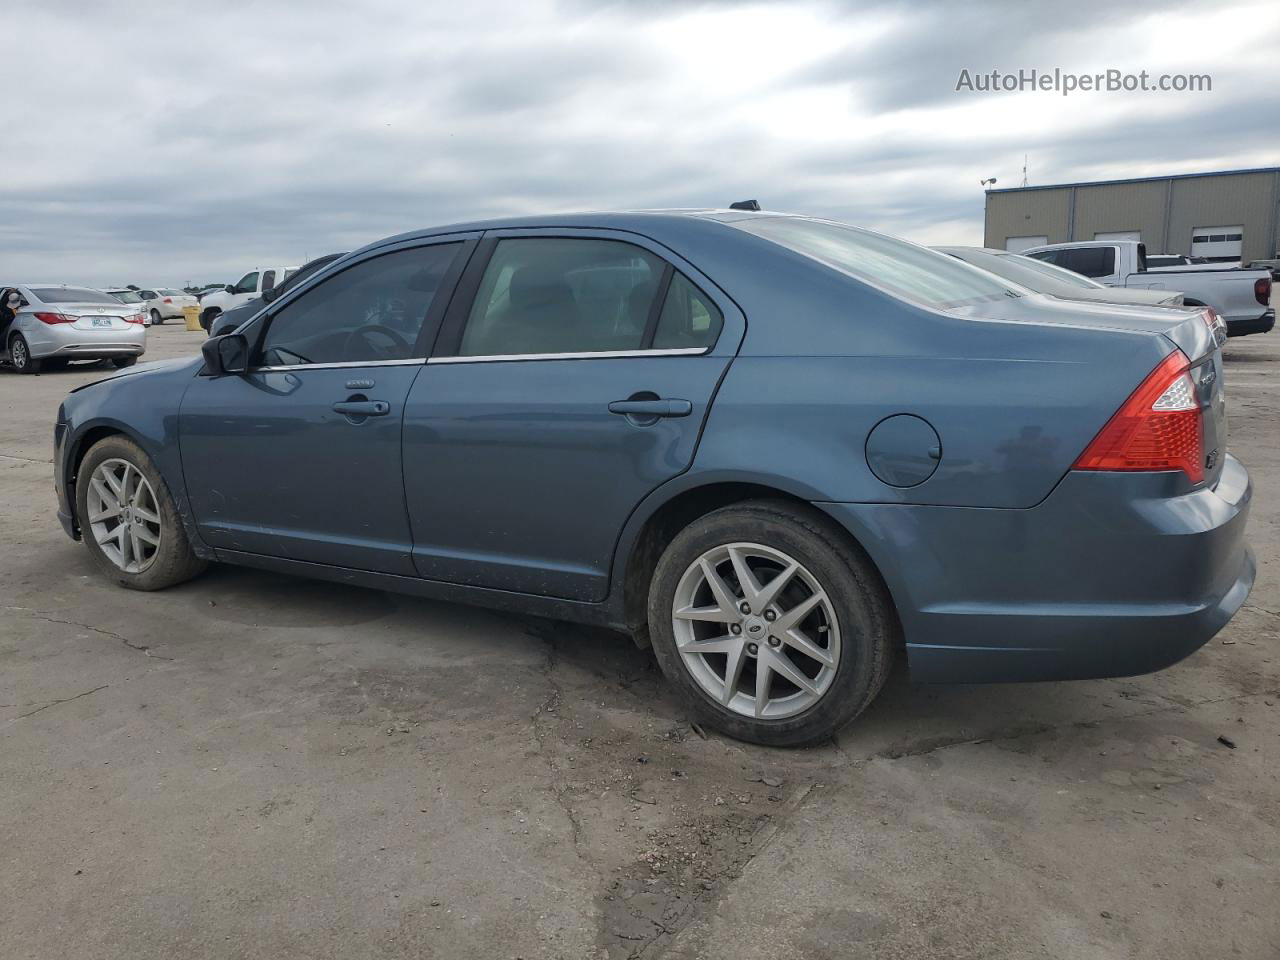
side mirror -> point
(227, 355)
(230, 288)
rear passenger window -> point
(562, 295)
(688, 319)
(268, 280)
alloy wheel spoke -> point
(143, 533)
(135, 544)
(105, 494)
(108, 536)
(769, 592)
(721, 644)
(732, 673)
(719, 589)
(122, 543)
(116, 484)
(746, 578)
(780, 664)
(764, 680)
(711, 614)
(789, 618)
(106, 514)
(148, 515)
(794, 638)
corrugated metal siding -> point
(1116, 207)
(1179, 204)
(1245, 199)
(1035, 213)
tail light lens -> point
(1216, 324)
(136, 318)
(52, 318)
(1262, 291)
(168, 299)
(1158, 428)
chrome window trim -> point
(338, 365)
(584, 355)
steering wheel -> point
(363, 333)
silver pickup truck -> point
(1241, 297)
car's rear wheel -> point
(20, 355)
(128, 518)
(156, 319)
(775, 628)
(123, 362)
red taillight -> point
(1215, 324)
(52, 318)
(136, 318)
(1262, 290)
(168, 299)
(1158, 428)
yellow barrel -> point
(192, 316)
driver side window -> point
(248, 283)
(371, 311)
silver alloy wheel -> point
(124, 516)
(756, 630)
(18, 353)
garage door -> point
(1217, 243)
(1018, 244)
(1119, 235)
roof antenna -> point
(1024, 169)
(745, 205)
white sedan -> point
(164, 303)
(56, 323)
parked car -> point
(58, 323)
(1241, 297)
(1272, 265)
(228, 320)
(131, 298)
(772, 447)
(249, 287)
(1044, 277)
(165, 303)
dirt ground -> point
(254, 766)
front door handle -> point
(643, 409)
(362, 408)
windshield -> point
(1061, 274)
(900, 268)
(127, 296)
(72, 295)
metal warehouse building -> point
(1226, 215)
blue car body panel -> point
(509, 484)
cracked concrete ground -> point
(253, 766)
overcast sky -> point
(190, 141)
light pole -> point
(986, 183)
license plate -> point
(100, 321)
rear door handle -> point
(652, 408)
(362, 408)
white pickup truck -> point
(1241, 297)
(252, 285)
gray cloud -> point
(276, 131)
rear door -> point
(572, 377)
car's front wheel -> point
(128, 518)
(20, 355)
(776, 629)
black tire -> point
(174, 562)
(208, 316)
(123, 362)
(156, 319)
(864, 612)
(20, 355)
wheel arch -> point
(673, 507)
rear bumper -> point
(1262, 324)
(72, 351)
(1112, 575)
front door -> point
(301, 457)
(569, 386)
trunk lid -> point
(99, 316)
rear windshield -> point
(1033, 265)
(172, 293)
(901, 268)
(72, 295)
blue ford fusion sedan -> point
(776, 448)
